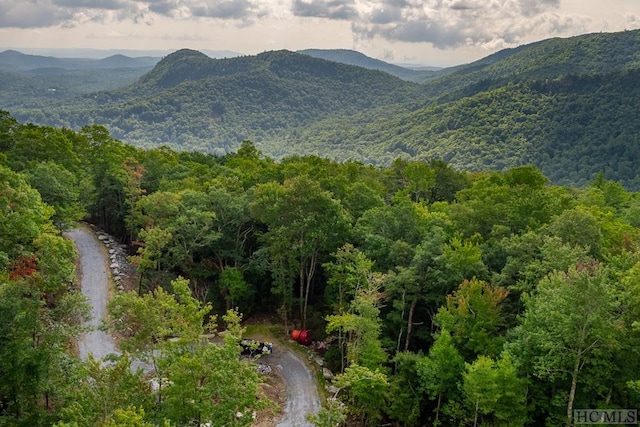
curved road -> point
(302, 393)
(95, 286)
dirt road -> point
(302, 392)
(95, 286)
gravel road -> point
(95, 286)
(299, 381)
(302, 392)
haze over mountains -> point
(568, 106)
(18, 61)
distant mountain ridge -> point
(596, 53)
(353, 57)
(190, 65)
(191, 99)
(568, 106)
(12, 60)
(95, 53)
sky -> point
(428, 32)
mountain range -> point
(568, 106)
(353, 57)
(12, 60)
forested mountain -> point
(35, 81)
(42, 89)
(566, 105)
(194, 102)
(441, 297)
(353, 57)
(589, 54)
(17, 61)
(571, 127)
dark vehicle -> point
(255, 348)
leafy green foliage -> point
(199, 381)
(103, 393)
(364, 390)
(472, 316)
(423, 256)
(356, 316)
(40, 314)
(564, 105)
(493, 392)
(440, 372)
(571, 318)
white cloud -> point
(453, 23)
(383, 28)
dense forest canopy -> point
(448, 297)
(567, 106)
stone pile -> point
(263, 369)
(119, 265)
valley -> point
(564, 105)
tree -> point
(105, 155)
(234, 288)
(35, 144)
(578, 227)
(405, 393)
(234, 225)
(209, 383)
(447, 182)
(361, 324)
(415, 178)
(517, 200)
(440, 371)
(531, 256)
(440, 264)
(350, 271)
(150, 253)
(626, 380)
(58, 188)
(569, 320)
(133, 174)
(494, 389)
(128, 417)
(353, 293)
(472, 315)
(388, 234)
(40, 313)
(181, 232)
(8, 129)
(332, 414)
(421, 276)
(304, 224)
(198, 380)
(103, 391)
(365, 391)
(23, 217)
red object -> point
(301, 336)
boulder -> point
(327, 374)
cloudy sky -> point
(430, 32)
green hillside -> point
(43, 89)
(571, 128)
(434, 296)
(566, 105)
(194, 102)
(589, 54)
